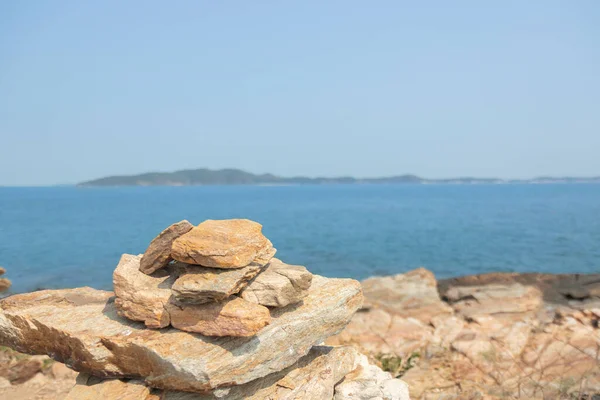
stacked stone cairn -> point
(206, 312)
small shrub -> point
(396, 365)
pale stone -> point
(4, 383)
(313, 377)
(81, 328)
(446, 330)
(91, 388)
(278, 285)
(202, 285)
(494, 299)
(369, 382)
(61, 371)
(231, 317)
(413, 294)
(158, 254)
(232, 243)
(142, 297)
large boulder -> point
(82, 328)
(313, 377)
(278, 285)
(158, 254)
(231, 243)
(338, 373)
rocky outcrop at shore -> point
(492, 336)
(5, 284)
(216, 317)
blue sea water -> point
(67, 237)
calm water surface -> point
(68, 237)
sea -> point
(62, 237)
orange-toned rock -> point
(158, 254)
(232, 243)
(231, 317)
(5, 284)
(197, 285)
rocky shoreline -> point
(492, 336)
(206, 312)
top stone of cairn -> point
(232, 243)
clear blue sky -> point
(363, 88)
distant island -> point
(203, 176)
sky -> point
(365, 88)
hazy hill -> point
(205, 176)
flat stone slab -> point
(158, 254)
(81, 328)
(313, 377)
(198, 285)
(231, 317)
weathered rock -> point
(397, 317)
(278, 285)
(202, 285)
(231, 317)
(376, 332)
(5, 284)
(413, 294)
(232, 243)
(369, 382)
(312, 377)
(91, 388)
(22, 370)
(142, 297)
(446, 330)
(61, 371)
(556, 288)
(158, 254)
(494, 299)
(82, 328)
